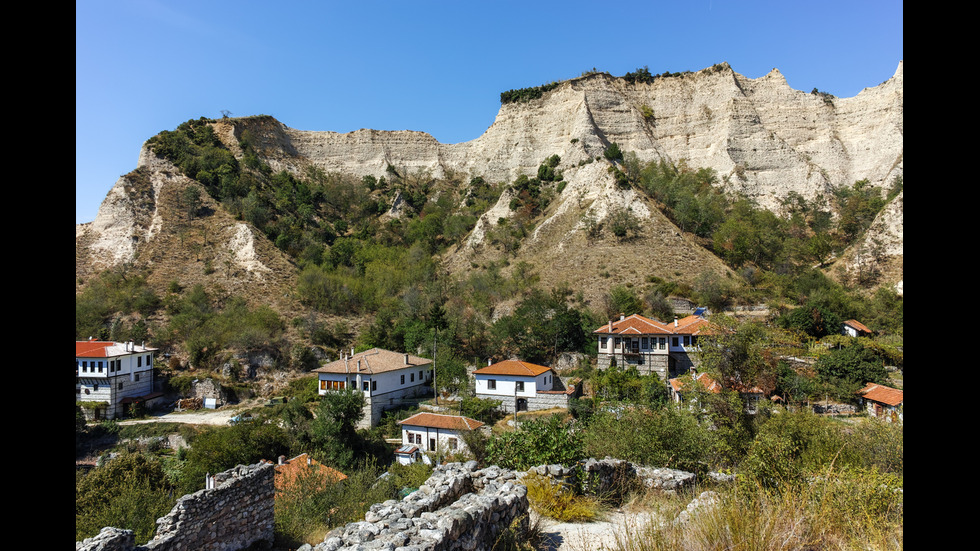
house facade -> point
(522, 386)
(651, 346)
(112, 377)
(854, 328)
(883, 402)
(434, 433)
(386, 378)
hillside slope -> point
(763, 139)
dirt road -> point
(194, 417)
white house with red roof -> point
(434, 433)
(522, 386)
(112, 376)
(386, 378)
(649, 345)
(854, 328)
(681, 388)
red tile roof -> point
(105, 349)
(858, 325)
(440, 421)
(289, 470)
(376, 360)
(513, 367)
(882, 394)
(640, 325)
(708, 383)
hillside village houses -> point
(434, 433)
(649, 345)
(523, 386)
(113, 377)
(386, 378)
(883, 402)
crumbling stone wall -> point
(612, 478)
(236, 510)
(459, 507)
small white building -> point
(854, 328)
(522, 386)
(113, 375)
(386, 378)
(434, 433)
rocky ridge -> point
(763, 139)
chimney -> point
(622, 316)
(358, 365)
(282, 459)
(309, 460)
(675, 321)
(406, 359)
(489, 362)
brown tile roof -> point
(440, 421)
(289, 470)
(640, 325)
(707, 382)
(858, 325)
(513, 367)
(376, 360)
(882, 394)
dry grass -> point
(555, 500)
(842, 512)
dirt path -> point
(589, 536)
(194, 417)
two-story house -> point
(649, 345)
(522, 386)
(112, 376)
(386, 378)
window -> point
(139, 361)
(644, 343)
(413, 378)
(374, 385)
(452, 444)
(520, 386)
(663, 343)
(403, 379)
(603, 342)
(136, 377)
(119, 386)
(366, 386)
(687, 340)
(420, 375)
(673, 341)
(491, 384)
(332, 385)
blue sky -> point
(142, 66)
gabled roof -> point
(108, 349)
(289, 470)
(707, 382)
(441, 421)
(376, 360)
(513, 367)
(858, 326)
(640, 325)
(883, 394)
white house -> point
(649, 345)
(522, 386)
(681, 387)
(386, 378)
(434, 433)
(112, 376)
(854, 328)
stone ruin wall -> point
(458, 507)
(235, 511)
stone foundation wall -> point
(235, 511)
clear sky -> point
(143, 66)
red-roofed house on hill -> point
(523, 386)
(386, 378)
(114, 376)
(854, 328)
(883, 402)
(435, 433)
(649, 345)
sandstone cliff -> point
(763, 139)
